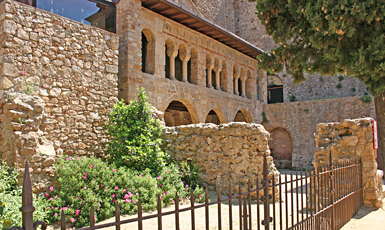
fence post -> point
(266, 197)
(27, 208)
(332, 190)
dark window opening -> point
(144, 52)
(240, 87)
(178, 68)
(213, 79)
(189, 71)
(212, 117)
(167, 67)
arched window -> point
(224, 77)
(274, 89)
(148, 51)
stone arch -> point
(224, 77)
(249, 85)
(177, 113)
(274, 89)
(194, 66)
(170, 47)
(148, 51)
(182, 53)
(187, 101)
(243, 116)
(216, 116)
(281, 146)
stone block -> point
(9, 70)
(5, 83)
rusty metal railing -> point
(326, 198)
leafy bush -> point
(293, 98)
(11, 200)
(366, 98)
(339, 86)
(191, 173)
(341, 78)
(90, 181)
(135, 136)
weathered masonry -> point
(190, 75)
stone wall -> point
(58, 84)
(351, 140)
(226, 152)
(301, 118)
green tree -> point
(329, 37)
(135, 136)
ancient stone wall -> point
(58, 84)
(301, 118)
(351, 140)
(221, 12)
(224, 152)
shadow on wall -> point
(281, 146)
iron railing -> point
(326, 198)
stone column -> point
(209, 67)
(236, 76)
(243, 80)
(185, 58)
(217, 70)
(172, 52)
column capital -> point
(218, 68)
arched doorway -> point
(281, 146)
(242, 116)
(212, 117)
(177, 114)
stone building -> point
(65, 63)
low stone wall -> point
(351, 140)
(226, 152)
(300, 119)
(58, 84)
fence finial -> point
(27, 208)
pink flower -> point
(116, 187)
(85, 187)
(186, 185)
(91, 166)
(79, 158)
(140, 176)
(46, 195)
(107, 167)
(158, 177)
(99, 205)
(52, 207)
(64, 208)
(83, 202)
(85, 174)
(51, 198)
(97, 186)
(51, 188)
(113, 200)
(167, 172)
(114, 170)
(105, 189)
(156, 185)
(22, 72)
(173, 201)
(55, 214)
(200, 195)
(113, 195)
(124, 190)
(180, 174)
(181, 182)
(126, 196)
(77, 211)
(67, 159)
(160, 185)
(84, 177)
(72, 220)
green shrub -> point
(341, 78)
(293, 98)
(11, 200)
(135, 136)
(339, 86)
(90, 181)
(191, 173)
(366, 98)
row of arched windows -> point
(182, 64)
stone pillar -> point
(243, 80)
(128, 27)
(172, 52)
(185, 58)
(347, 141)
(217, 70)
(209, 67)
(236, 76)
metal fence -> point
(325, 198)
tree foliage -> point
(135, 136)
(327, 37)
